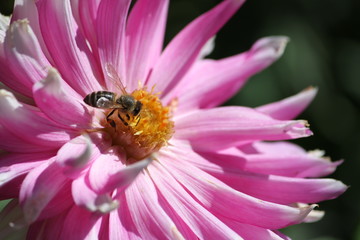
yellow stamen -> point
(145, 133)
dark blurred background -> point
(324, 51)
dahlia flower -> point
(149, 155)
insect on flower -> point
(125, 104)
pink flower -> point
(167, 164)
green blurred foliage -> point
(324, 51)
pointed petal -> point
(291, 107)
(85, 197)
(224, 127)
(225, 201)
(184, 49)
(110, 26)
(211, 82)
(108, 173)
(27, 123)
(76, 154)
(144, 39)
(202, 222)
(24, 58)
(38, 188)
(67, 45)
(59, 102)
(149, 218)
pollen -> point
(141, 135)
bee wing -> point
(114, 77)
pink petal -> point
(108, 172)
(27, 123)
(211, 82)
(38, 188)
(284, 159)
(122, 219)
(225, 201)
(277, 158)
(76, 154)
(80, 224)
(184, 49)
(13, 165)
(291, 107)
(59, 102)
(110, 26)
(144, 39)
(67, 46)
(13, 142)
(224, 127)
(149, 218)
(24, 58)
(85, 197)
(202, 222)
(25, 9)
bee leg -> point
(109, 115)
(128, 117)
(110, 121)
(124, 122)
(138, 120)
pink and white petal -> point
(184, 49)
(13, 142)
(225, 201)
(67, 45)
(287, 160)
(211, 82)
(110, 26)
(291, 107)
(25, 9)
(13, 165)
(144, 39)
(284, 159)
(219, 128)
(75, 155)
(149, 218)
(122, 219)
(80, 224)
(60, 102)
(27, 123)
(85, 197)
(202, 222)
(39, 187)
(108, 172)
(23, 58)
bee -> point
(127, 106)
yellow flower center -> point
(143, 134)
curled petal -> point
(84, 196)
(38, 188)
(184, 49)
(209, 83)
(290, 107)
(107, 173)
(76, 154)
(224, 127)
(59, 102)
(27, 123)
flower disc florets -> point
(145, 133)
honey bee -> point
(127, 106)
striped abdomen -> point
(107, 99)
